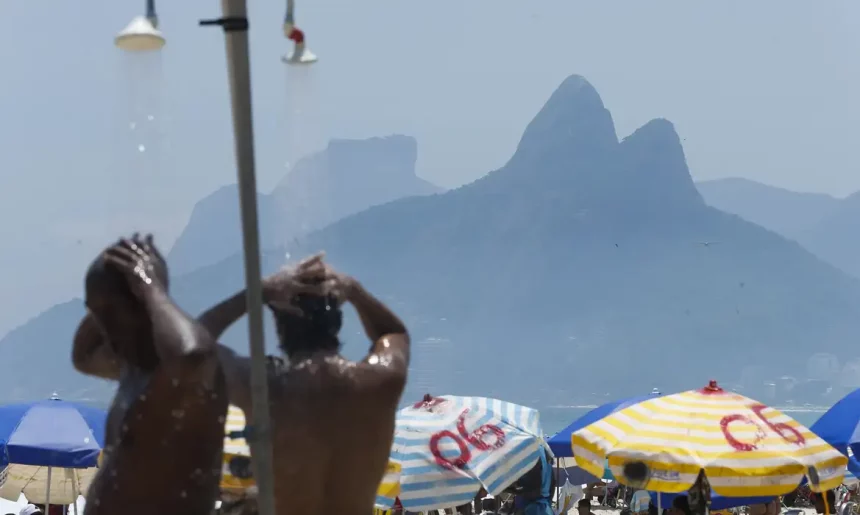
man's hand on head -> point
(308, 277)
(141, 264)
(339, 285)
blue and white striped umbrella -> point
(449, 447)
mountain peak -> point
(577, 86)
(654, 168)
(570, 150)
(574, 118)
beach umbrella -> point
(567, 469)
(448, 447)
(718, 502)
(236, 473)
(840, 427)
(561, 446)
(50, 450)
(744, 448)
(560, 443)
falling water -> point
(301, 130)
(139, 178)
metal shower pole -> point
(235, 25)
(150, 11)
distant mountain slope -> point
(836, 238)
(825, 225)
(583, 268)
(343, 179)
(36, 359)
(786, 212)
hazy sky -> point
(765, 90)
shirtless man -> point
(165, 429)
(332, 419)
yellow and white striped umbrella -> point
(236, 472)
(389, 488)
(745, 448)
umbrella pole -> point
(76, 485)
(558, 483)
(235, 24)
(48, 493)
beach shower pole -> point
(235, 25)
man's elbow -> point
(82, 359)
(81, 363)
(92, 366)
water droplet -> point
(287, 256)
(150, 117)
(178, 413)
(183, 494)
(175, 382)
(142, 397)
(221, 419)
(141, 148)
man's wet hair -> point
(584, 502)
(316, 329)
(102, 277)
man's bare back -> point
(165, 428)
(332, 419)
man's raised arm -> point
(91, 353)
(388, 334)
(277, 289)
(178, 339)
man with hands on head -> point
(332, 418)
(165, 428)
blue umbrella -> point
(840, 427)
(52, 433)
(565, 470)
(718, 502)
(560, 442)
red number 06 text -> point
(486, 438)
(785, 431)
